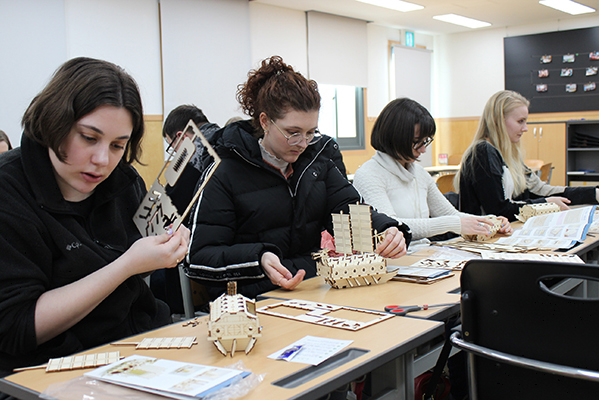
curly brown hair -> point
(275, 88)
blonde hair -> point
(492, 128)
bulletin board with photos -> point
(556, 71)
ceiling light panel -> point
(397, 5)
(567, 6)
(463, 21)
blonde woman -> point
(493, 179)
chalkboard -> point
(556, 71)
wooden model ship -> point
(531, 210)
(233, 322)
(354, 263)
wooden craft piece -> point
(478, 247)
(160, 343)
(156, 214)
(233, 322)
(318, 314)
(497, 224)
(531, 210)
(356, 264)
(77, 362)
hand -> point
(393, 244)
(505, 228)
(560, 201)
(475, 225)
(158, 251)
(278, 274)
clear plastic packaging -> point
(84, 388)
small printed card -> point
(310, 350)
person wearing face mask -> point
(73, 259)
(493, 179)
(261, 214)
(394, 184)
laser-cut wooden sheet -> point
(160, 343)
(322, 314)
(157, 213)
(77, 362)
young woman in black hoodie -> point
(72, 258)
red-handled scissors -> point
(401, 310)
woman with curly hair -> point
(262, 212)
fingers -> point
(393, 245)
(278, 273)
(290, 284)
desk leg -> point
(395, 379)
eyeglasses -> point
(423, 143)
(296, 138)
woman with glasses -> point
(493, 179)
(394, 184)
(262, 212)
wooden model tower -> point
(233, 322)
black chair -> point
(527, 337)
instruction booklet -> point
(175, 379)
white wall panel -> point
(123, 32)
(206, 54)
(33, 46)
(278, 31)
(337, 49)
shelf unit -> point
(583, 152)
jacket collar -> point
(40, 174)
(238, 136)
(394, 167)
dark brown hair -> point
(275, 88)
(76, 89)
(393, 131)
(4, 137)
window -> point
(342, 115)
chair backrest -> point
(545, 173)
(514, 307)
(445, 182)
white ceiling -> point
(500, 13)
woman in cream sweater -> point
(394, 184)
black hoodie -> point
(46, 244)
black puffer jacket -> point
(248, 208)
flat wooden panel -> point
(152, 149)
(552, 148)
(454, 135)
(547, 142)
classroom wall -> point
(180, 57)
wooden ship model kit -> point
(531, 210)
(233, 322)
(354, 263)
(156, 214)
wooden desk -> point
(442, 168)
(390, 343)
(376, 297)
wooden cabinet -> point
(547, 142)
(582, 153)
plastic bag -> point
(84, 388)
